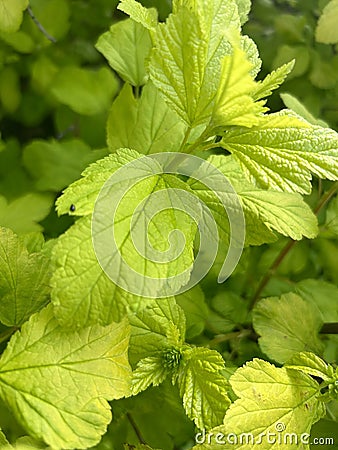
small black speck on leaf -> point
(72, 208)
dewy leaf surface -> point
(186, 59)
(147, 125)
(57, 382)
(24, 280)
(270, 399)
(283, 151)
(287, 325)
(126, 46)
(203, 388)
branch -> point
(136, 429)
(285, 250)
(41, 28)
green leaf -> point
(142, 15)
(332, 216)
(297, 107)
(300, 54)
(85, 91)
(185, 62)
(11, 14)
(77, 268)
(83, 192)
(311, 364)
(265, 211)
(234, 104)
(324, 428)
(3, 440)
(20, 41)
(326, 31)
(147, 125)
(24, 279)
(322, 295)
(272, 81)
(82, 293)
(282, 152)
(159, 325)
(54, 165)
(203, 388)
(59, 392)
(271, 400)
(228, 310)
(252, 54)
(126, 46)
(155, 427)
(10, 95)
(287, 325)
(149, 371)
(324, 71)
(195, 309)
(244, 7)
(280, 211)
(23, 214)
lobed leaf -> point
(59, 392)
(126, 46)
(326, 31)
(272, 402)
(185, 62)
(147, 124)
(203, 388)
(11, 13)
(283, 151)
(272, 81)
(287, 325)
(234, 104)
(140, 14)
(153, 326)
(24, 279)
(24, 213)
(83, 192)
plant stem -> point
(137, 91)
(185, 139)
(285, 250)
(40, 26)
(228, 336)
(326, 198)
(271, 271)
(136, 429)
